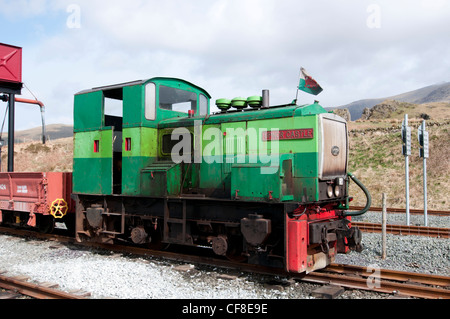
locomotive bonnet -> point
(253, 182)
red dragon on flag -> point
(308, 84)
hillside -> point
(376, 159)
(391, 109)
(53, 132)
(430, 94)
(55, 156)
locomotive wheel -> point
(234, 252)
(220, 245)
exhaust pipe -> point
(266, 99)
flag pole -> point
(299, 77)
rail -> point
(378, 283)
(402, 210)
(34, 290)
(405, 230)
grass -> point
(55, 156)
(376, 159)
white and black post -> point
(406, 137)
(424, 153)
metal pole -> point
(408, 219)
(425, 197)
(425, 208)
(11, 129)
(407, 179)
(44, 136)
(384, 227)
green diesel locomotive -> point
(264, 184)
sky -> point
(355, 49)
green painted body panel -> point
(84, 144)
(88, 110)
(143, 153)
(143, 142)
(210, 170)
(248, 182)
(131, 174)
(306, 164)
(231, 163)
(92, 172)
(133, 105)
(306, 189)
(161, 179)
(92, 176)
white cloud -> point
(233, 47)
(23, 8)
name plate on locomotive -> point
(300, 134)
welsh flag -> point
(308, 84)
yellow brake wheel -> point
(59, 208)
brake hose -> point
(366, 191)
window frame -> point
(192, 93)
(205, 111)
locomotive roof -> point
(140, 82)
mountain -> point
(434, 93)
(53, 132)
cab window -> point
(150, 102)
(177, 100)
(203, 105)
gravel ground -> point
(407, 253)
(108, 275)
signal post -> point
(406, 136)
(424, 153)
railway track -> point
(405, 230)
(403, 211)
(384, 281)
(347, 276)
(33, 290)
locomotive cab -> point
(116, 130)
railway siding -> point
(151, 277)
